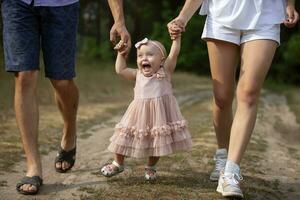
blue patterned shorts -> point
(28, 29)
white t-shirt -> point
(245, 14)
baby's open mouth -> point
(146, 66)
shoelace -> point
(233, 178)
(220, 163)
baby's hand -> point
(120, 46)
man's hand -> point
(119, 31)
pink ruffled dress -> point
(153, 124)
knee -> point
(26, 81)
(63, 86)
(223, 99)
(248, 96)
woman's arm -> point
(188, 10)
(123, 70)
(290, 2)
(171, 60)
(186, 13)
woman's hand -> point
(176, 27)
(292, 16)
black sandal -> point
(34, 181)
(65, 156)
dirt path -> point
(280, 160)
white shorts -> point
(214, 30)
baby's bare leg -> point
(153, 160)
(119, 159)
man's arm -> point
(116, 7)
(119, 28)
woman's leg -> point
(223, 58)
(256, 58)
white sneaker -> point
(220, 159)
(229, 185)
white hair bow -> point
(140, 43)
(145, 41)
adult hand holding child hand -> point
(124, 44)
(176, 27)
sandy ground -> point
(276, 124)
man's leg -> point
(59, 47)
(27, 115)
(21, 45)
(66, 96)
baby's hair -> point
(156, 43)
(161, 47)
